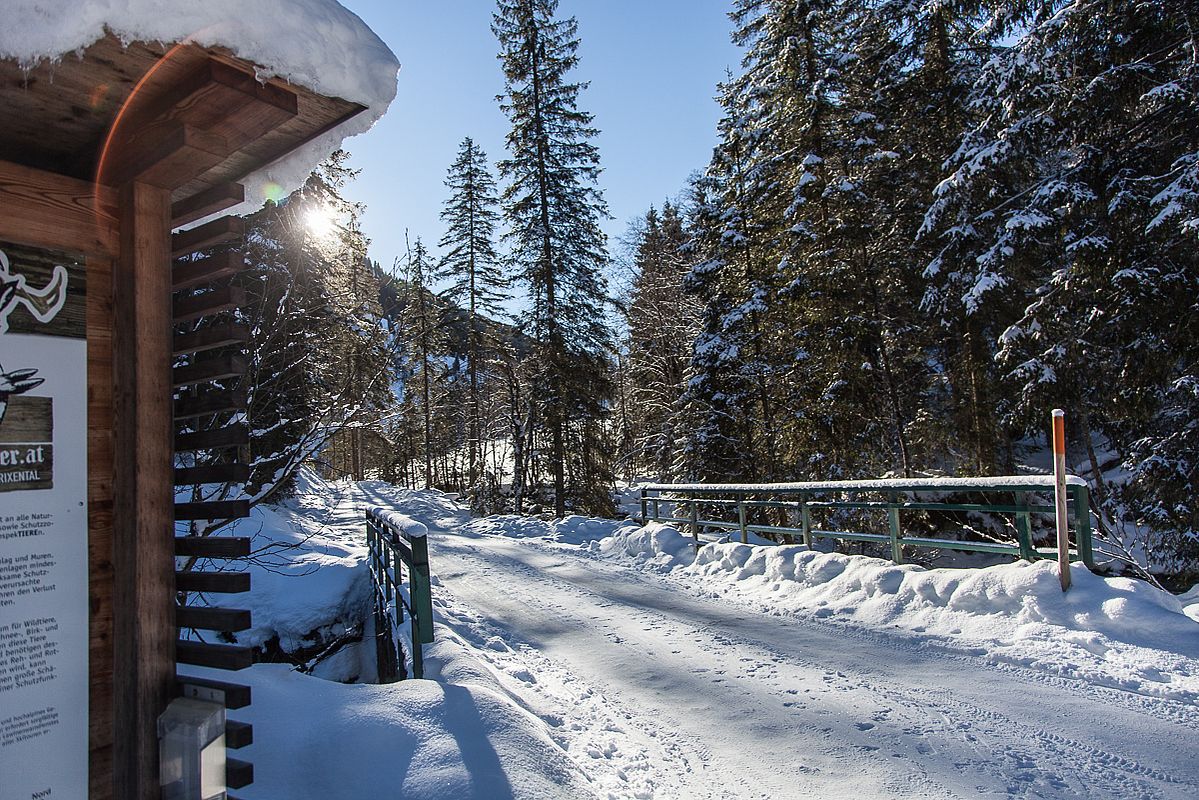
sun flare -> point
(320, 221)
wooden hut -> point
(107, 155)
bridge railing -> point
(394, 543)
(734, 507)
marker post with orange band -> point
(1059, 496)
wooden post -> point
(643, 506)
(1059, 496)
(143, 519)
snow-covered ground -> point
(595, 658)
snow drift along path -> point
(658, 692)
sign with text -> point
(43, 526)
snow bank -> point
(1190, 602)
(656, 546)
(319, 739)
(309, 573)
(1115, 632)
(314, 43)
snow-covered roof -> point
(317, 44)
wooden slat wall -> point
(99, 514)
(207, 388)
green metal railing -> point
(391, 548)
(1017, 496)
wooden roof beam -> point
(207, 203)
(169, 134)
(215, 97)
(163, 158)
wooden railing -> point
(392, 547)
(700, 506)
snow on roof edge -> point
(318, 44)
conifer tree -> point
(424, 344)
(553, 208)
(661, 326)
(472, 266)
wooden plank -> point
(99, 322)
(223, 334)
(163, 157)
(215, 509)
(237, 695)
(219, 439)
(206, 304)
(210, 618)
(217, 656)
(223, 98)
(44, 209)
(212, 582)
(238, 734)
(212, 546)
(211, 473)
(217, 402)
(189, 274)
(230, 365)
(143, 520)
(210, 234)
(238, 774)
(206, 203)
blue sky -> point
(653, 67)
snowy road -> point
(659, 692)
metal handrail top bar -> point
(1011, 483)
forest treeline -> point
(924, 225)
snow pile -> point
(1115, 632)
(1190, 602)
(314, 43)
(656, 546)
(435, 741)
(308, 575)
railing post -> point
(893, 516)
(805, 520)
(1059, 497)
(741, 519)
(644, 507)
(1024, 529)
(695, 522)
(1082, 516)
(422, 602)
(657, 508)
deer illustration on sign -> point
(44, 304)
(18, 381)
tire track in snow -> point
(620, 752)
(913, 740)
